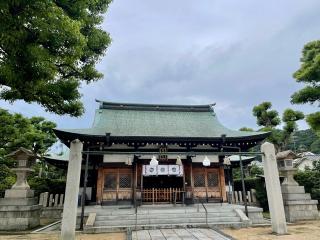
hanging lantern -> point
(129, 161)
(206, 162)
(154, 161)
(179, 162)
(226, 161)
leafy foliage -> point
(315, 146)
(290, 117)
(246, 129)
(265, 116)
(46, 184)
(310, 179)
(313, 120)
(304, 140)
(18, 131)
(309, 74)
(257, 184)
(269, 120)
(255, 170)
(7, 178)
(47, 48)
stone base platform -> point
(301, 210)
(19, 214)
(298, 205)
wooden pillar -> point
(135, 169)
(191, 179)
(222, 183)
(100, 185)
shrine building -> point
(151, 153)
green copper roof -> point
(151, 120)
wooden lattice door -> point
(117, 184)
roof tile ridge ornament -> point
(154, 107)
(212, 105)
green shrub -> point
(47, 185)
(7, 179)
(310, 179)
(257, 184)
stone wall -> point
(52, 207)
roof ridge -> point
(155, 107)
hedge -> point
(257, 184)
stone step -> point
(166, 221)
(292, 189)
(169, 211)
(166, 216)
(296, 196)
(103, 229)
(221, 212)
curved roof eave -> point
(65, 133)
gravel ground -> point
(308, 230)
(55, 236)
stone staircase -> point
(153, 217)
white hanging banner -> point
(175, 170)
(163, 170)
(150, 170)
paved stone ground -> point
(56, 236)
(175, 234)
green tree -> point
(302, 140)
(265, 116)
(309, 74)
(47, 48)
(315, 146)
(246, 129)
(18, 131)
(310, 179)
(290, 118)
(255, 170)
(269, 119)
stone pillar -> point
(45, 199)
(271, 174)
(253, 195)
(61, 200)
(69, 216)
(56, 200)
(249, 197)
(50, 200)
(240, 197)
(236, 197)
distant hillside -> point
(305, 140)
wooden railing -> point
(156, 195)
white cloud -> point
(234, 53)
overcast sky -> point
(232, 53)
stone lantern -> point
(19, 209)
(24, 159)
(298, 204)
(285, 166)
